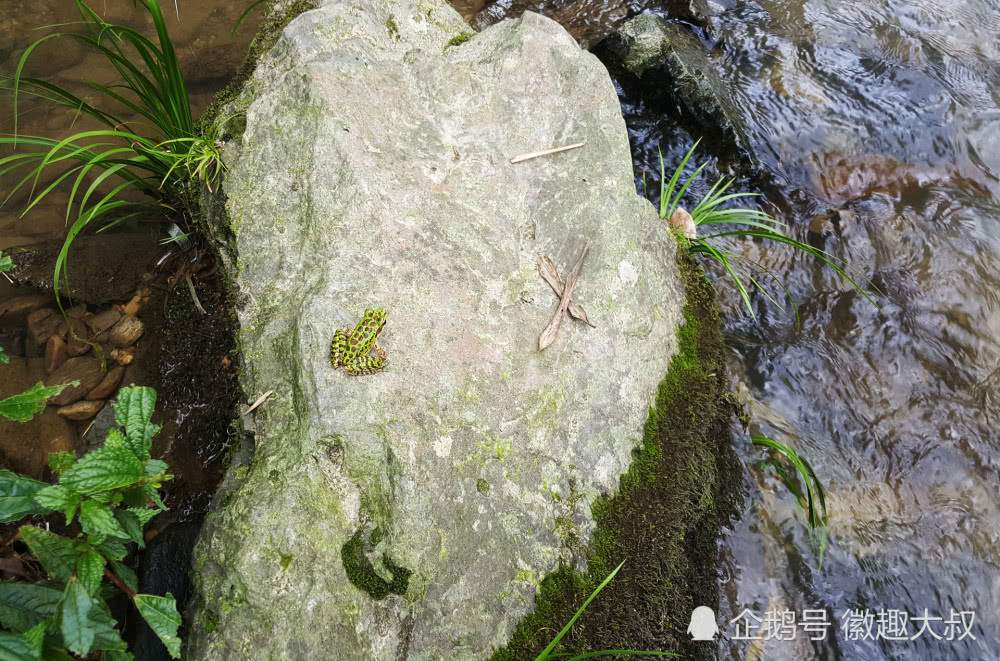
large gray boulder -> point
(411, 513)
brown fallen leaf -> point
(548, 335)
(547, 269)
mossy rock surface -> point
(415, 513)
(664, 520)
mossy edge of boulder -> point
(664, 520)
(227, 109)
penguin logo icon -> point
(703, 626)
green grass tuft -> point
(802, 482)
(716, 210)
(164, 157)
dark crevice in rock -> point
(668, 66)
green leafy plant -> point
(716, 210)
(106, 497)
(798, 476)
(550, 650)
(24, 406)
(165, 157)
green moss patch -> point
(392, 27)
(362, 575)
(459, 39)
(665, 518)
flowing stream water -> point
(877, 123)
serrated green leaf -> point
(25, 605)
(134, 411)
(145, 515)
(114, 655)
(103, 469)
(99, 522)
(6, 263)
(60, 462)
(130, 523)
(90, 570)
(106, 634)
(162, 617)
(36, 636)
(57, 554)
(104, 497)
(116, 438)
(77, 630)
(154, 497)
(24, 406)
(112, 550)
(16, 496)
(156, 467)
(58, 498)
(127, 574)
(17, 648)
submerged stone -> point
(677, 71)
(410, 513)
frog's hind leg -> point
(338, 346)
(368, 364)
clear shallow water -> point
(878, 122)
(207, 48)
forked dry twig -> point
(548, 335)
(549, 273)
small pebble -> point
(82, 410)
(126, 332)
(109, 384)
(55, 354)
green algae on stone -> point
(664, 519)
(483, 487)
(459, 39)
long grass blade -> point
(579, 611)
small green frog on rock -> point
(355, 350)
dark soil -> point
(102, 267)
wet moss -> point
(664, 519)
(362, 575)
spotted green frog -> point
(353, 349)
